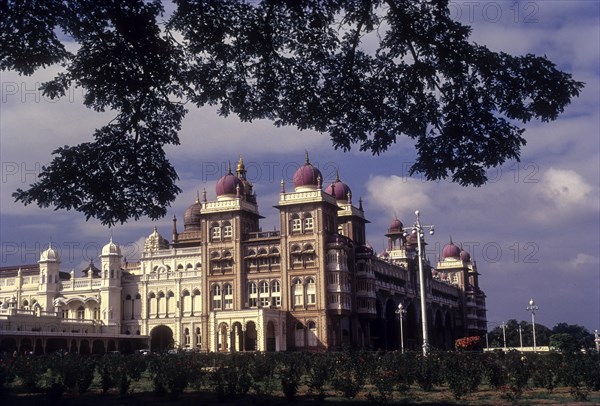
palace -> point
(223, 284)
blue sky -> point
(534, 229)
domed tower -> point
(111, 262)
(351, 220)
(451, 251)
(395, 235)
(110, 292)
(339, 190)
(192, 216)
(307, 177)
(229, 187)
(49, 277)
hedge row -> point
(235, 375)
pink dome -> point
(465, 256)
(396, 225)
(228, 185)
(450, 251)
(307, 175)
(339, 189)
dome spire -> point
(197, 197)
(306, 154)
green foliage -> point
(7, 371)
(383, 376)
(170, 373)
(348, 372)
(546, 370)
(263, 374)
(428, 371)
(231, 377)
(318, 373)
(291, 369)
(30, 370)
(580, 373)
(462, 373)
(366, 73)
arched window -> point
(311, 334)
(252, 294)
(264, 294)
(216, 297)
(298, 290)
(227, 230)
(215, 231)
(186, 335)
(308, 221)
(276, 293)
(228, 293)
(296, 224)
(198, 338)
(80, 313)
(311, 291)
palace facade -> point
(223, 284)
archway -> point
(250, 337)
(392, 326)
(161, 339)
(439, 341)
(411, 332)
(237, 341)
(378, 328)
(448, 331)
(84, 347)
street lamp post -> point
(401, 312)
(597, 340)
(418, 230)
(504, 334)
(533, 308)
(521, 337)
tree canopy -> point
(304, 63)
(563, 336)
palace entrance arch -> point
(161, 339)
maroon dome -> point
(228, 185)
(451, 251)
(307, 175)
(465, 256)
(339, 189)
(396, 225)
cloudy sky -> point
(534, 229)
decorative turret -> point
(155, 242)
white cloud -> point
(582, 260)
(398, 195)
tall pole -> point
(597, 340)
(504, 334)
(532, 306)
(401, 312)
(521, 337)
(422, 287)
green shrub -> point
(462, 373)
